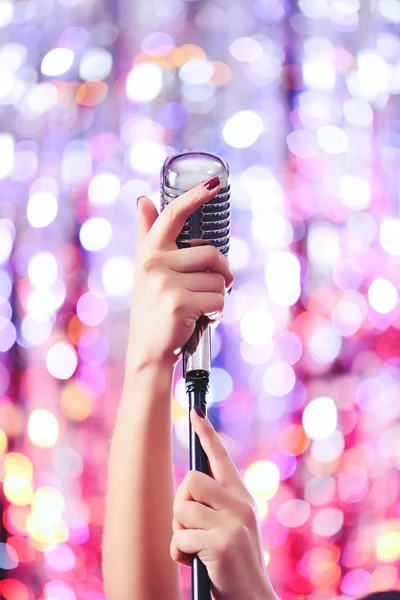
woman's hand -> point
(173, 287)
(215, 518)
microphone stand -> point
(196, 370)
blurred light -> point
(282, 276)
(239, 253)
(7, 147)
(95, 234)
(42, 209)
(158, 44)
(34, 333)
(388, 547)
(327, 522)
(61, 360)
(43, 303)
(320, 418)
(262, 479)
(59, 590)
(8, 557)
(302, 143)
(196, 71)
(314, 10)
(323, 246)
(332, 139)
(257, 327)
(96, 64)
(7, 235)
(117, 276)
(328, 449)
(104, 189)
(76, 163)
(390, 236)
(8, 334)
(358, 112)
(91, 309)
(319, 74)
(390, 10)
(324, 344)
(40, 99)
(144, 82)
(246, 49)
(222, 386)
(57, 62)
(146, 157)
(75, 403)
(3, 441)
(279, 379)
(43, 269)
(17, 489)
(355, 192)
(60, 559)
(271, 229)
(382, 296)
(43, 428)
(294, 513)
(347, 318)
(243, 129)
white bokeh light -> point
(390, 236)
(104, 189)
(42, 269)
(34, 333)
(61, 360)
(243, 129)
(279, 379)
(282, 276)
(382, 296)
(42, 209)
(332, 139)
(320, 418)
(246, 49)
(57, 61)
(323, 246)
(319, 74)
(355, 192)
(257, 327)
(196, 71)
(7, 158)
(7, 233)
(325, 344)
(144, 82)
(147, 156)
(95, 234)
(117, 276)
(95, 65)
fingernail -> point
(137, 201)
(199, 412)
(212, 183)
(229, 290)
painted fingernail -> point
(137, 201)
(229, 290)
(212, 183)
(199, 412)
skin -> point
(176, 293)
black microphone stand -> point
(196, 370)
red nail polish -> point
(199, 412)
(212, 183)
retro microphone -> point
(210, 223)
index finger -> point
(223, 469)
(170, 223)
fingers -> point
(204, 282)
(223, 469)
(172, 219)
(200, 259)
(193, 515)
(200, 488)
(147, 216)
(188, 542)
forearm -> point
(138, 522)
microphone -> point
(209, 224)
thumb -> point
(147, 215)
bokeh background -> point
(302, 98)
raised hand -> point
(173, 287)
(215, 518)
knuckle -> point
(173, 301)
(192, 479)
(212, 255)
(249, 516)
(149, 264)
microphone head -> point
(212, 221)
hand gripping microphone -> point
(210, 223)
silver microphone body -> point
(210, 223)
